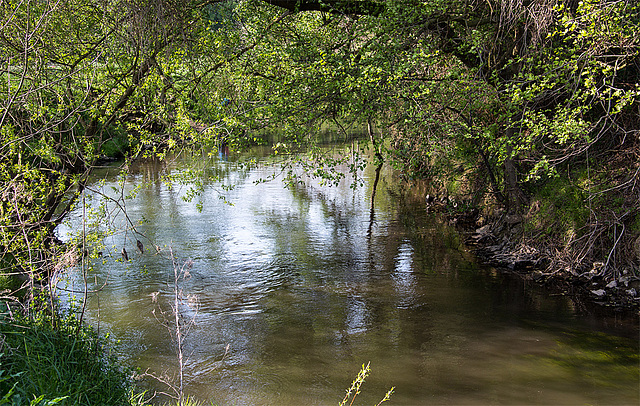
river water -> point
(293, 289)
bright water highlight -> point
(297, 288)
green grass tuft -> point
(43, 365)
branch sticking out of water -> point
(177, 324)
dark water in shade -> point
(303, 289)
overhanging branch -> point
(358, 7)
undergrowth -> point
(48, 360)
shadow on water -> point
(306, 284)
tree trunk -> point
(514, 196)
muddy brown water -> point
(297, 287)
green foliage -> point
(10, 285)
(454, 91)
(85, 81)
(45, 365)
(562, 208)
(117, 145)
(577, 90)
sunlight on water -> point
(302, 294)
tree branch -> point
(358, 7)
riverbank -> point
(500, 242)
(50, 360)
(577, 232)
(497, 244)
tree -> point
(507, 92)
(503, 92)
(73, 68)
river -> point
(293, 289)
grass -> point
(562, 207)
(48, 360)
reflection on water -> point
(292, 281)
